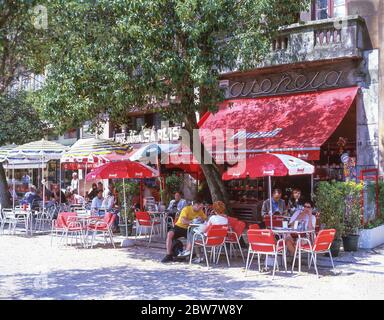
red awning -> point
(296, 124)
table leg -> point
(299, 239)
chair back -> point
(8, 213)
(62, 219)
(262, 240)
(254, 226)
(232, 220)
(277, 221)
(216, 235)
(238, 227)
(143, 218)
(109, 218)
(324, 240)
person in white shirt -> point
(77, 199)
(109, 201)
(97, 202)
(218, 218)
(304, 216)
(74, 182)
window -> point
(323, 9)
(339, 8)
(71, 134)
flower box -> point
(371, 238)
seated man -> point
(97, 202)
(180, 230)
(304, 216)
(278, 204)
(176, 205)
(30, 196)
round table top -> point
(291, 230)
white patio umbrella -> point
(270, 165)
(42, 150)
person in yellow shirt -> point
(187, 215)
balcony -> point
(319, 40)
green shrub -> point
(339, 206)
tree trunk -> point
(215, 183)
(4, 193)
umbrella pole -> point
(125, 210)
(43, 181)
(141, 198)
(270, 199)
(85, 174)
(13, 183)
(312, 187)
(60, 182)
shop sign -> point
(149, 135)
(289, 82)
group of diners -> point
(297, 209)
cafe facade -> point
(316, 97)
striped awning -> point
(41, 149)
(4, 150)
(95, 151)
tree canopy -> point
(110, 57)
(114, 56)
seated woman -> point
(306, 218)
(217, 218)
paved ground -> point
(30, 268)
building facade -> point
(336, 44)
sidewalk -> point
(31, 269)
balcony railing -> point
(317, 40)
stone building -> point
(336, 44)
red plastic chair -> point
(144, 219)
(72, 226)
(58, 226)
(232, 220)
(254, 226)
(322, 244)
(277, 221)
(103, 226)
(234, 234)
(213, 238)
(263, 241)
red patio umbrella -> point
(123, 170)
(269, 165)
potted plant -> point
(352, 215)
(329, 201)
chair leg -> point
(111, 236)
(219, 253)
(240, 249)
(246, 263)
(294, 258)
(258, 262)
(226, 254)
(330, 256)
(206, 256)
(274, 266)
(315, 263)
(193, 247)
